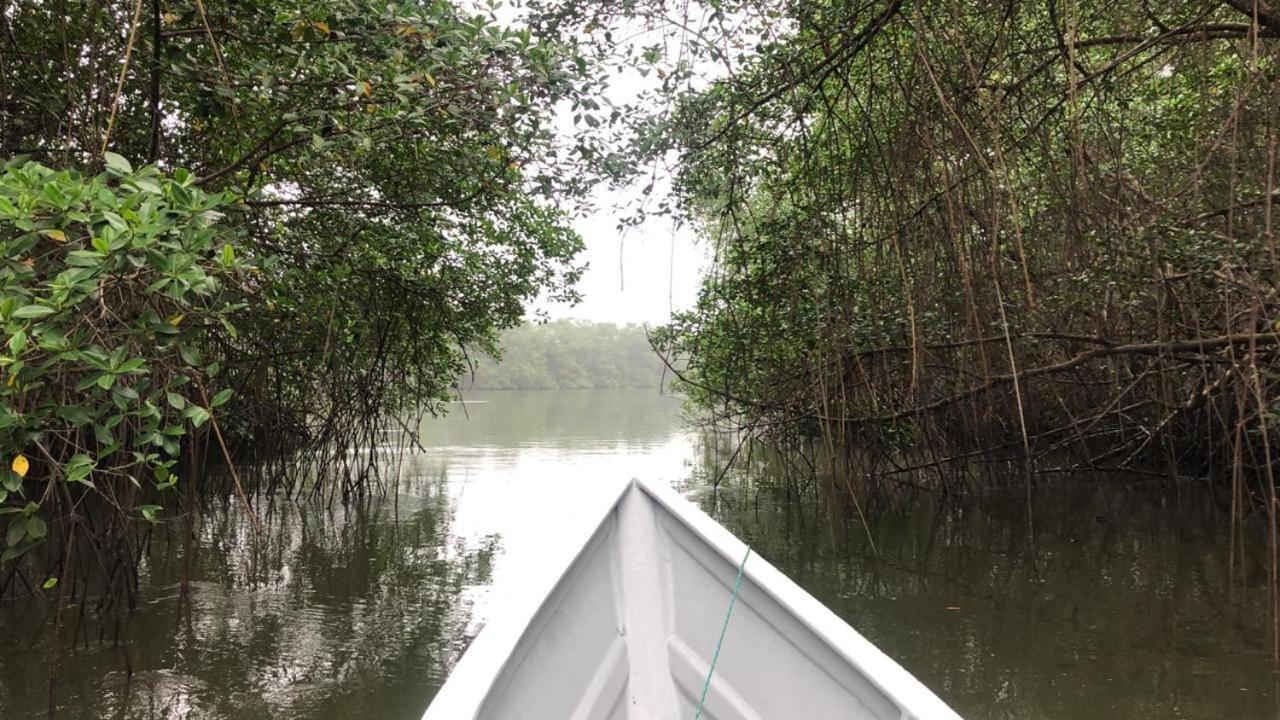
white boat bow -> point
(627, 628)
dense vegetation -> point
(947, 231)
(568, 354)
(953, 236)
(232, 229)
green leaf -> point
(196, 414)
(114, 221)
(17, 531)
(190, 355)
(54, 197)
(103, 435)
(33, 311)
(148, 185)
(176, 401)
(221, 398)
(117, 164)
(149, 511)
(79, 467)
(49, 584)
(18, 341)
(87, 382)
(74, 414)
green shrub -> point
(107, 286)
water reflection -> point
(1120, 608)
(340, 612)
(326, 613)
(595, 420)
(540, 467)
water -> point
(1121, 607)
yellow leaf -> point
(168, 18)
(430, 80)
(57, 235)
(365, 88)
(21, 465)
(12, 379)
(322, 26)
(176, 319)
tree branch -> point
(1154, 348)
(1259, 10)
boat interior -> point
(629, 632)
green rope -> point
(737, 585)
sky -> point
(642, 274)
(636, 276)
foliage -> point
(108, 284)
(945, 231)
(569, 354)
(390, 172)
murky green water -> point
(1120, 608)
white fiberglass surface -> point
(630, 628)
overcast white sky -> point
(642, 274)
(636, 277)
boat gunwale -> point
(469, 686)
(882, 672)
(494, 647)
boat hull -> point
(628, 629)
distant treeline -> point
(569, 354)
